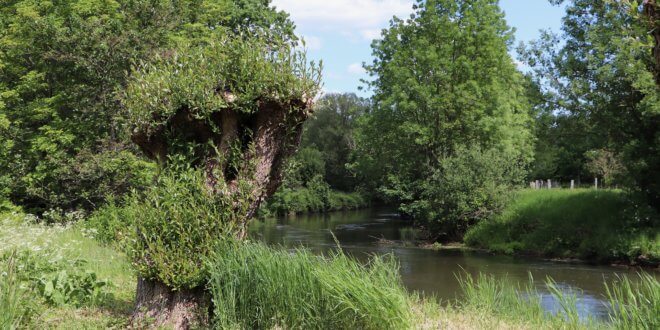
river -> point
(360, 234)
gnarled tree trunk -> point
(266, 138)
(159, 306)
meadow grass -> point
(258, 287)
(68, 245)
(12, 309)
(595, 225)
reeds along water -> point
(634, 303)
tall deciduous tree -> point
(606, 74)
(332, 131)
(443, 81)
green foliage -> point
(59, 282)
(315, 197)
(466, 188)
(635, 304)
(63, 68)
(601, 82)
(444, 83)
(332, 131)
(588, 224)
(254, 286)
(178, 221)
(75, 289)
(111, 225)
(250, 68)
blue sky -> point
(340, 31)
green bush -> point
(111, 224)
(83, 182)
(258, 287)
(177, 222)
(303, 200)
(602, 225)
(465, 189)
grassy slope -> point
(588, 224)
(72, 243)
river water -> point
(361, 233)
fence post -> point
(596, 183)
(572, 184)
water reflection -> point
(434, 272)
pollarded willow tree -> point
(220, 120)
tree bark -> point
(653, 14)
(158, 306)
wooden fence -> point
(556, 184)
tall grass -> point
(635, 305)
(520, 303)
(254, 286)
(12, 311)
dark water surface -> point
(434, 272)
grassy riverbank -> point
(593, 225)
(337, 290)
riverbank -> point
(308, 200)
(599, 226)
(105, 300)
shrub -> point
(83, 182)
(258, 287)
(111, 224)
(177, 223)
(465, 189)
(318, 198)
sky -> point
(340, 31)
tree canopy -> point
(443, 81)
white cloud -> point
(356, 68)
(313, 43)
(362, 17)
(371, 34)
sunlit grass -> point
(595, 225)
(65, 243)
(254, 286)
(635, 305)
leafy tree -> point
(443, 82)
(604, 164)
(331, 130)
(606, 75)
(63, 65)
(220, 119)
